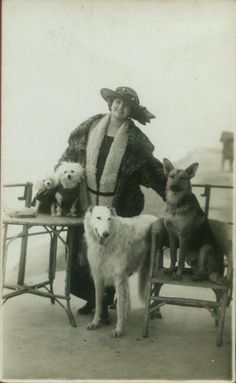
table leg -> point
(68, 260)
(4, 252)
(52, 263)
(23, 252)
(67, 283)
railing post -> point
(207, 194)
(27, 197)
(28, 194)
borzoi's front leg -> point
(123, 306)
(99, 286)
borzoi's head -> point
(101, 218)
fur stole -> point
(112, 164)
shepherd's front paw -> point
(169, 270)
(178, 274)
(72, 214)
(92, 326)
(197, 277)
(116, 333)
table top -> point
(43, 220)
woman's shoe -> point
(109, 295)
(105, 317)
(113, 305)
(87, 308)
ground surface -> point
(39, 343)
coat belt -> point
(101, 194)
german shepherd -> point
(189, 228)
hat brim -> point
(137, 111)
(109, 95)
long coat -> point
(138, 166)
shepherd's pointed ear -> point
(113, 211)
(191, 170)
(168, 166)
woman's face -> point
(120, 110)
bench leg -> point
(156, 292)
(220, 328)
(147, 314)
(218, 294)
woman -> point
(118, 158)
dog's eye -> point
(98, 217)
(109, 219)
(172, 176)
(72, 171)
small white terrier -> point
(45, 197)
(68, 176)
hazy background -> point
(180, 56)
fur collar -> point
(138, 149)
(113, 161)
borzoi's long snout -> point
(102, 236)
(102, 229)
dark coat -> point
(138, 167)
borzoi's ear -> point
(113, 211)
(90, 209)
(167, 166)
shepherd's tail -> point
(217, 278)
(143, 277)
(158, 227)
(123, 300)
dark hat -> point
(130, 97)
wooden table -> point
(54, 227)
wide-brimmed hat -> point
(130, 97)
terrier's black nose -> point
(105, 234)
(69, 176)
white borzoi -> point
(117, 247)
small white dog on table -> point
(59, 193)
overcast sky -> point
(180, 56)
